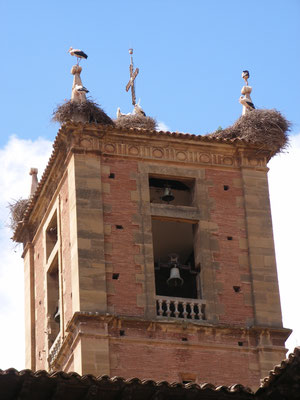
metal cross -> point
(133, 75)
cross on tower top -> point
(133, 75)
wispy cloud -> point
(16, 158)
(285, 199)
(161, 126)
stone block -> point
(106, 188)
(134, 195)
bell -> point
(175, 279)
(168, 195)
(57, 314)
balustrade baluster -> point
(184, 313)
(160, 308)
(192, 313)
(168, 312)
(176, 312)
(201, 315)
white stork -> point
(79, 54)
(246, 76)
(120, 114)
(138, 110)
(80, 88)
(247, 102)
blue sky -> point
(190, 55)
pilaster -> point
(29, 291)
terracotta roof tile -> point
(281, 368)
(12, 383)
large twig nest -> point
(88, 111)
(17, 209)
(268, 127)
(136, 121)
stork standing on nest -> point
(245, 99)
(79, 54)
(138, 110)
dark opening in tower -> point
(174, 264)
(171, 191)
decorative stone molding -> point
(176, 154)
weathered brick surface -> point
(66, 253)
(40, 303)
(122, 245)
(227, 211)
(171, 351)
(162, 361)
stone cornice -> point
(181, 324)
(78, 327)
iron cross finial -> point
(133, 75)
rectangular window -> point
(53, 301)
(171, 191)
(173, 250)
(51, 235)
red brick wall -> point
(168, 358)
(120, 247)
(227, 211)
(66, 253)
(40, 302)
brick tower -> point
(150, 254)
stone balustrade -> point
(53, 352)
(177, 307)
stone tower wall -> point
(104, 249)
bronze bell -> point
(175, 279)
(168, 195)
(57, 314)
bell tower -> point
(150, 254)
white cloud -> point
(161, 126)
(285, 204)
(16, 158)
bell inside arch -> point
(175, 279)
(168, 195)
(57, 314)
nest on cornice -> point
(136, 121)
(266, 127)
(88, 112)
(17, 209)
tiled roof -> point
(283, 381)
(279, 370)
(31, 385)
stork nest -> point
(17, 209)
(136, 121)
(88, 111)
(268, 127)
